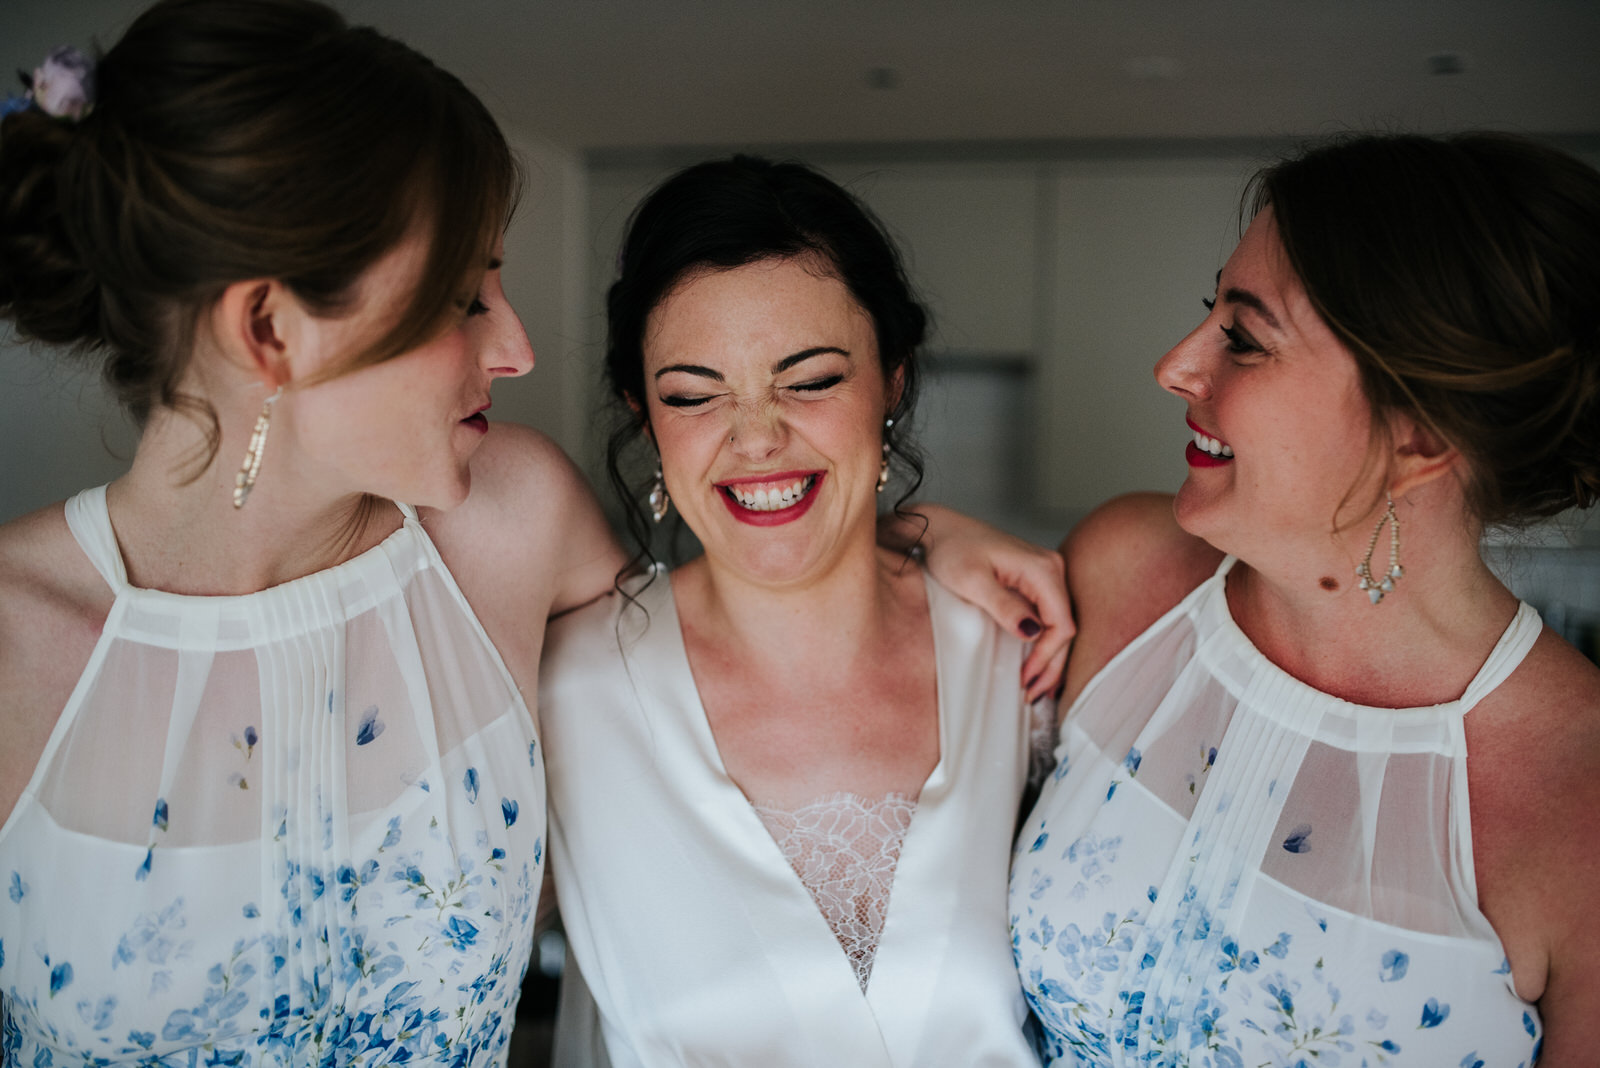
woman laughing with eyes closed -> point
(795, 762)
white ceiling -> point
(610, 74)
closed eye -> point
(1239, 343)
(817, 385)
(681, 401)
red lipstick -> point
(776, 517)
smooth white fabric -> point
(301, 826)
(700, 943)
(1231, 868)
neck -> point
(1420, 645)
(830, 620)
(184, 535)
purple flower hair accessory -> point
(62, 86)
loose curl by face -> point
(1463, 274)
(240, 139)
(729, 213)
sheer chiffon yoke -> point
(1230, 867)
(303, 825)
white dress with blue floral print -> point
(1230, 868)
(298, 827)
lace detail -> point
(844, 848)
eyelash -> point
(477, 306)
(814, 386)
(819, 384)
(1239, 343)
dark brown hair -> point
(1463, 274)
(238, 139)
(728, 213)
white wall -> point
(59, 429)
(1084, 272)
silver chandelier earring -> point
(659, 501)
(1376, 588)
(245, 480)
(883, 467)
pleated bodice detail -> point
(1230, 867)
(300, 826)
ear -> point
(1418, 456)
(897, 386)
(639, 413)
(254, 323)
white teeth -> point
(772, 500)
(1211, 445)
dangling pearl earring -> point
(1377, 588)
(883, 467)
(659, 502)
(245, 480)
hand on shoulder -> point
(1128, 562)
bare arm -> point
(1532, 750)
(1017, 583)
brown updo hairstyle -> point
(1463, 274)
(239, 139)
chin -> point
(1194, 515)
(441, 495)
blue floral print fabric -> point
(1229, 869)
(317, 838)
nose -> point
(1185, 369)
(756, 430)
(510, 354)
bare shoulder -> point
(53, 605)
(516, 472)
(1128, 563)
(529, 541)
(44, 574)
(1533, 748)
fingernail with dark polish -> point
(1030, 628)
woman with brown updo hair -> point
(270, 791)
(1326, 791)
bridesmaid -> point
(1326, 794)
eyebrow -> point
(1235, 295)
(777, 368)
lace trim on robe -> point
(844, 848)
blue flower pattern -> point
(1106, 992)
(412, 955)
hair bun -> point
(45, 288)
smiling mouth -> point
(770, 496)
(1212, 446)
(1205, 450)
